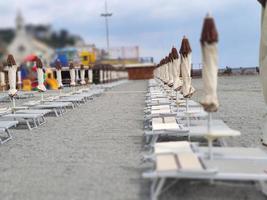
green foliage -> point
(59, 39)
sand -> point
(94, 151)
(242, 108)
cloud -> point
(155, 25)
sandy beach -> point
(94, 151)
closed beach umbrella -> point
(72, 74)
(209, 39)
(58, 72)
(2, 75)
(170, 69)
(263, 62)
(161, 71)
(185, 52)
(40, 75)
(82, 70)
(263, 48)
(12, 72)
(176, 66)
(166, 73)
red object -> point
(34, 68)
(31, 58)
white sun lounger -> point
(59, 108)
(218, 152)
(189, 165)
(172, 128)
(34, 111)
(180, 113)
(76, 100)
(28, 118)
(4, 127)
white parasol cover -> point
(185, 53)
(209, 40)
(12, 72)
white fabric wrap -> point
(176, 65)
(263, 52)
(76, 75)
(210, 76)
(105, 75)
(59, 78)
(90, 75)
(163, 73)
(170, 69)
(83, 76)
(101, 75)
(40, 77)
(72, 77)
(166, 73)
(2, 79)
(12, 72)
(19, 77)
(160, 72)
(263, 67)
(187, 88)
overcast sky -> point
(154, 25)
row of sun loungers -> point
(33, 113)
(175, 129)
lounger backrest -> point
(166, 163)
(182, 162)
(169, 120)
(156, 120)
(168, 126)
(175, 147)
(161, 111)
(189, 161)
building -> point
(25, 44)
(140, 71)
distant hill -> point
(55, 39)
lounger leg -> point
(38, 122)
(147, 138)
(158, 185)
(34, 123)
(28, 125)
(55, 111)
(153, 140)
(263, 186)
(62, 111)
(41, 120)
(9, 137)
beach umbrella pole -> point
(209, 139)
(13, 103)
(187, 114)
(42, 96)
(172, 99)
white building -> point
(24, 44)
